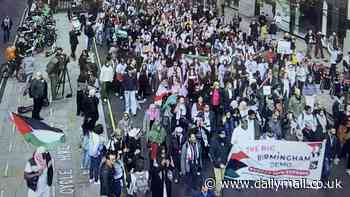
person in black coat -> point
(219, 150)
(177, 140)
(81, 91)
(38, 91)
(273, 30)
(162, 175)
(82, 20)
(332, 152)
(90, 104)
(254, 29)
(107, 173)
(73, 40)
(90, 34)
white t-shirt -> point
(240, 134)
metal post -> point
(324, 17)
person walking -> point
(85, 157)
(106, 78)
(139, 184)
(107, 173)
(219, 150)
(82, 88)
(119, 176)
(130, 89)
(6, 26)
(38, 173)
(38, 91)
(73, 40)
(162, 175)
(90, 109)
(332, 153)
(90, 34)
(95, 151)
(191, 162)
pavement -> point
(300, 43)
(14, 151)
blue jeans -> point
(130, 101)
(6, 36)
(85, 159)
(94, 167)
(89, 43)
(117, 187)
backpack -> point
(141, 182)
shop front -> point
(299, 16)
(244, 7)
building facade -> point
(299, 16)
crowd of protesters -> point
(211, 85)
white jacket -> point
(107, 74)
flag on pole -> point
(37, 132)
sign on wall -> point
(283, 14)
(273, 159)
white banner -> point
(275, 159)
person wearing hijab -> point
(38, 173)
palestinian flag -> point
(234, 164)
(37, 132)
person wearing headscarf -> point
(151, 115)
(38, 173)
(156, 137)
(162, 176)
(125, 124)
